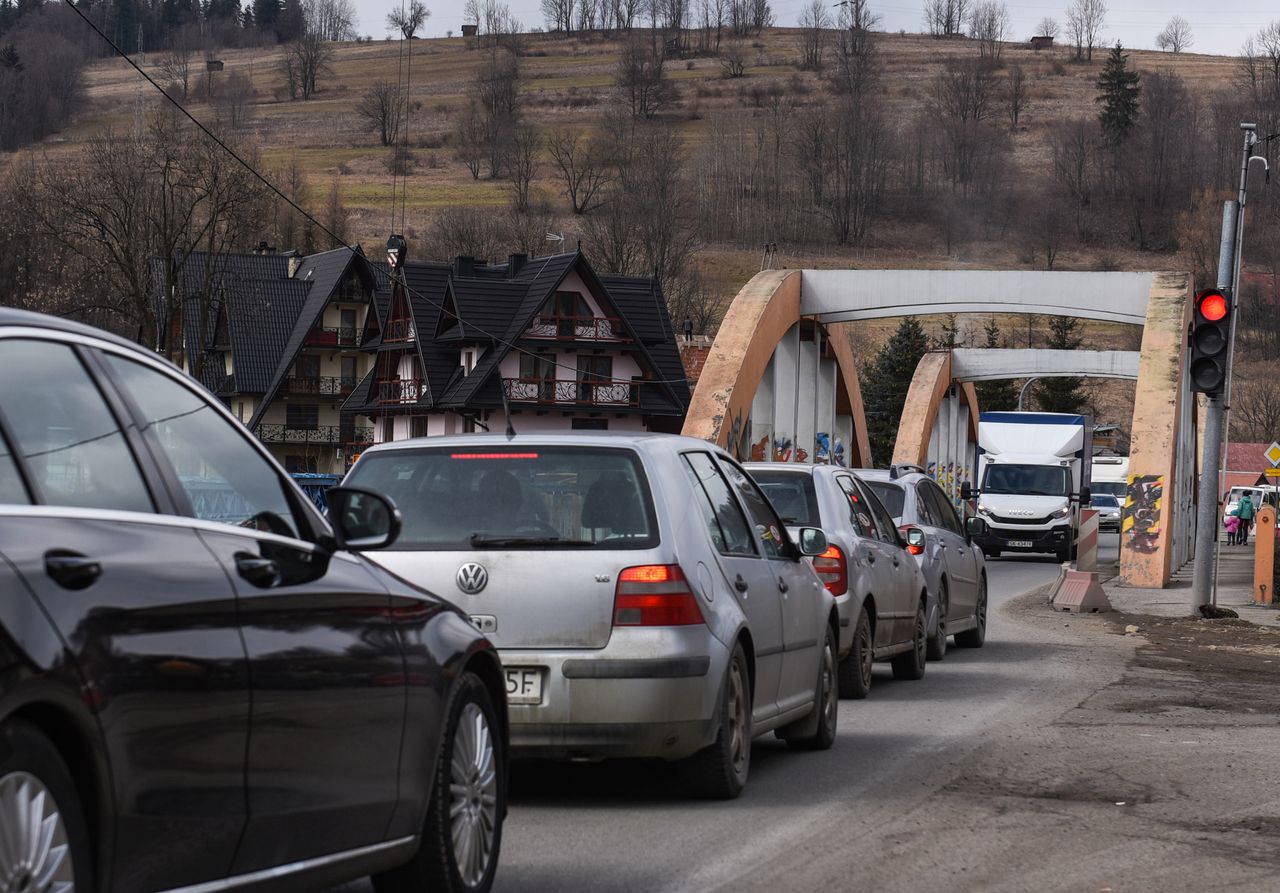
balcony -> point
(321, 385)
(577, 328)
(399, 390)
(325, 435)
(341, 336)
(398, 330)
(574, 392)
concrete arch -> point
(930, 386)
(996, 363)
(762, 314)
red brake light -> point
(833, 570)
(655, 595)
(1213, 306)
(914, 550)
(493, 455)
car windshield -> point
(1104, 500)
(892, 495)
(792, 494)
(1114, 488)
(514, 497)
(1026, 480)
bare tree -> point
(335, 212)
(332, 20)
(583, 167)
(989, 26)
(946, 18)
(845, 159)
(382, 108)
(233, 100)
(1015, 93)
(641, 78)
(469, 139)
(1255, 411)
(497, 92)
(175, 64)
(854, 47)
(1085, 21)
(733, 60)
(305, 60)
(1076, 165)
(559, 15)
(815, 22)
(522, 164)
(1176, 35)
(409, 20)
(471, 232)
(963, 98)
(1048, 27)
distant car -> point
(645, 598)
(881, 594)
(1109, 508)
(205, 685)
(954, 567)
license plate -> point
(1019, 544)
(524, 685)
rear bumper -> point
(1040, 540)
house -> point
(544, 345)
(281, 344)
(1042, 42)
(470, 30)
(1244, 467)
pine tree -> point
(1061, 394)
(995, 396)
(1119, 88)
(949, 337)
(885, 381)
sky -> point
(1219, 27)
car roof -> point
(634, 439)
(11, 317)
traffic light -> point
(1210, 341)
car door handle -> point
(871, 557)
(740, 584)
(261, 572)
(71, 570)
(782, 586)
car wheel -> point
(910, 664)
(44, 843)
(719, 772)
(973, 638)
(462, 835)
(855, 669)
(826, 701)
(937, 648)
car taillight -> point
(655, 595)
(833, 570)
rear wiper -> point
(479, 540)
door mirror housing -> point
(915, 540)
(966, 491)
(976, 526)
(362, 519)
(812, 541)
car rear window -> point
(518, 497)
(1105, 499)
(891, 495)
(792, 494)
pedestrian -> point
(1233, 529)
(1245, 510)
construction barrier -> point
(1087, 541)
(1264, 556)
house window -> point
(302, 416)
(309, 367)
(348, 372)
(469, 358)
(569, 310)
(468, 424)
(537, 377)
(240, 411)
(590, 425)
(593, 369)
(347, 332)
(418, 426)
(388, 428)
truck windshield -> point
(1026, 480)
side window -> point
(927, 507)
(728, 526)
(859, 516)
(12, 491)
(943, 508)
(72, 444)
(884, 521)
(773, 533)
(224, 477)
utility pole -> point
(1204, 578)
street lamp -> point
(1022, 393)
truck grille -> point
(1000, 519)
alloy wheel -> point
(830, 696)
(980, 612)
(35, 856)
(473, 790)
(922, 636)
(737, 718)
(865, 656)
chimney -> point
(295, 262)
(464, 267)
(515, 263)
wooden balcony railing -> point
(399, 390)
(339, 336)
(583, 391)
(577, 328)
(323, 385)
(398, 330)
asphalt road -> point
(808, 820)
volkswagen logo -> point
(472, 578)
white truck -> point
(1110, 474)
(1033, 475)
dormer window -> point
(470, 356)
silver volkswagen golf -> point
(644, 597)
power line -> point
(510, 345)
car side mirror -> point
(976, 526)
(812, 541)
(915, 540)
(362, 519)
(966, 491)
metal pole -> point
(1207, 507)
(1023, 391)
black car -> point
(203, 685)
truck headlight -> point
(1064, 512)
(983, 510)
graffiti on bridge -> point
(1140, 528)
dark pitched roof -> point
(641, 303)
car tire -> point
(719, 772)
(937, 645)
(33, 776)
(471, 758)
(855, 669)
(911, 664)
(973, 638)
(818, 730)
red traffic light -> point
(1213, 306)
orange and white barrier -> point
(1087, 541)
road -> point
(1045, 760)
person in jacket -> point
(1245, 510)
